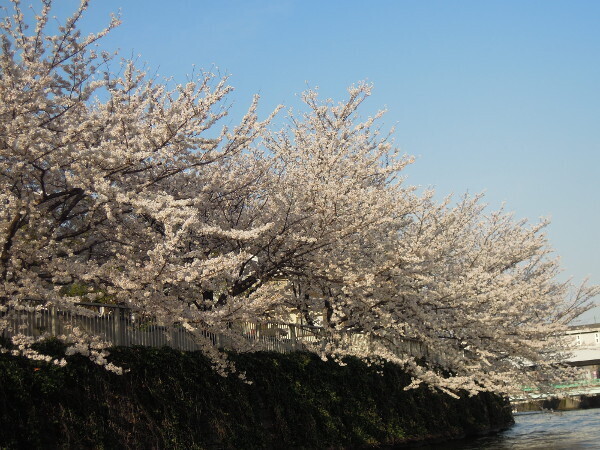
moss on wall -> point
(171, 399)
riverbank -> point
(171, 399)
(567, 403)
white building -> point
(587, 348)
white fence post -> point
(117, 325)
(293, 338)
(53, 321)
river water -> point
(568, 430)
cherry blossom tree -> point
(474, 291)
(121, 188)
(102, 174)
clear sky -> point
(494, 96)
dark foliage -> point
(171, 399)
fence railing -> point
(122, 327)
(119, 325)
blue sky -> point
(494, 96)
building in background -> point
(587, 348)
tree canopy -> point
(130, 189)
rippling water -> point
(568, 430)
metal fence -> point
(123, 327)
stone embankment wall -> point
(171, 399)
(568, 403)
